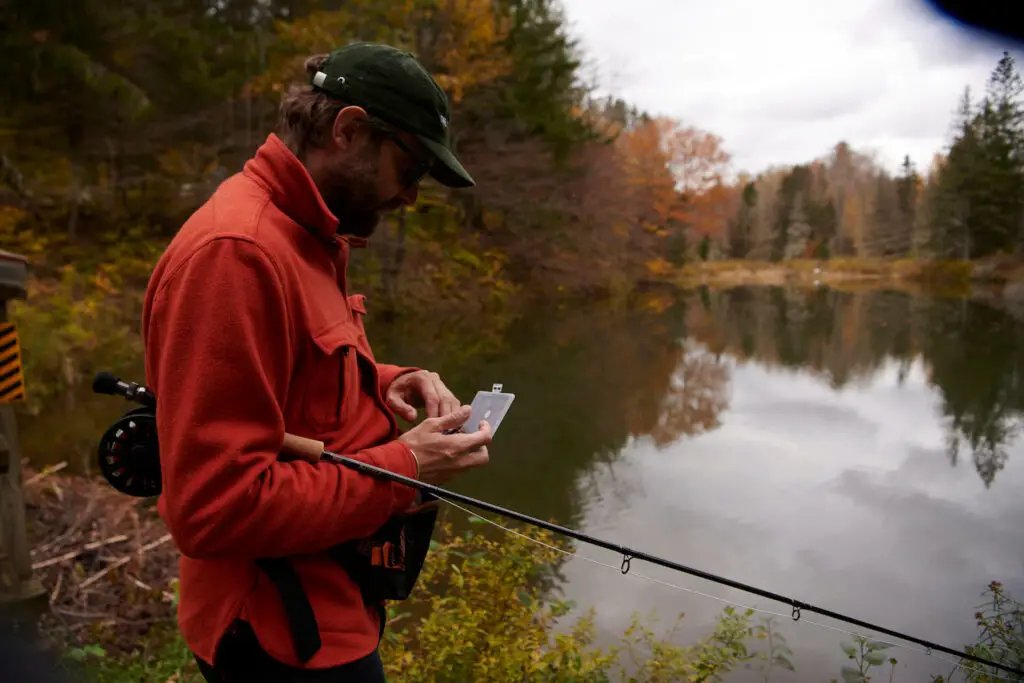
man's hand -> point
(421, 388)
(442, 455)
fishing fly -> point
(129, 460)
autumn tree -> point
(111, 108)
(699, 162)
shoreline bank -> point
(908, 272)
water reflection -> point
(797, 440)
(586, 381)
(696, 394)
(970, 349)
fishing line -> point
(575, 554)
(629, 554)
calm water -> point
(857, 452)
(854, 451)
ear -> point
(346, 126)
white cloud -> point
(783, 81)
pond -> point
(853, 450)
(856, 451)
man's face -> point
(371, 178)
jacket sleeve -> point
(219, 355)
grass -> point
(940, 276)
(160, 658)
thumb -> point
(456, 418)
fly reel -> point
(129, 455)
(129, 452)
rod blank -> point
(631, 554)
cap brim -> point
(448, 170)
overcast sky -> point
(783, 80)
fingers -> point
(449, 402)
(439, 401)
(456, 418)
(429, 394)
(427, 387)
(476, 458)
(403, 409)
(477, 439)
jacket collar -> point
(293, 191)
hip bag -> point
(385, 566)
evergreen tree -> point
(979, 202)
(906, 191)
(1002, 143)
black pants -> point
(240, 658)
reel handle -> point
(112, 385)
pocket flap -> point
(334, 336)
(358, 303)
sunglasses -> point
(420, 167)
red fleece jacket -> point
(250, 332)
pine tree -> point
(979, 201)
(1002, 149)
(956, 206)
(907, 185)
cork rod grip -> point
(302, 447)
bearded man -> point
(251, 333)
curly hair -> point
(306, 115)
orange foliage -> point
(461, 49)
(711, 210)
(464, 54)
(677, 173)
(646, 160)
(853, 221)
(695, 156)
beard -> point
(349, 189)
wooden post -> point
(22, 597)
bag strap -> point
(297, 608)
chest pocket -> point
(357, 306)
(332, 381)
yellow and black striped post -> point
(22, 597)
(12, 378)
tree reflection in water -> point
(970, 349)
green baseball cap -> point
(393, 86)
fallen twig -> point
(47, 471)
(146, 587)
(123, 561)
(75, 553)
(88, 529)
(56, 588)
(82, 519)
(80, 615)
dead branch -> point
(75, 553)
(123, 561)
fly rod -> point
(129, 460)
(306, 448)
